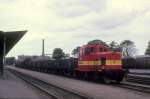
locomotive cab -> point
(98, 59)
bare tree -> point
(114, 46)
(128, 48)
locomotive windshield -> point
(101, 49)
(93, 49)
(89, 50)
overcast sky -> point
(70, 23)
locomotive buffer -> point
(7, 41)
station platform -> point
(11, 87)
(90, 89)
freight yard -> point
(74, 49)
(97, 73)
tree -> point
(76, 51)
(128, 48)
(58, 53)
(147, 52)
(114, 46)
(97, 42)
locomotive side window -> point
(87, 51)
(101, 49)
(92, 49)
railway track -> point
(136, 82)
(51, 90)
(141, 79)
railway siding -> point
(135, 86)
(141, 79)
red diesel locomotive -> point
(98, 60)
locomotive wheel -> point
(77, 74)
(96, 76)
(121, 77)
(106, 80)
(118, 81)
(90, 76)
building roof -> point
(11, 38)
